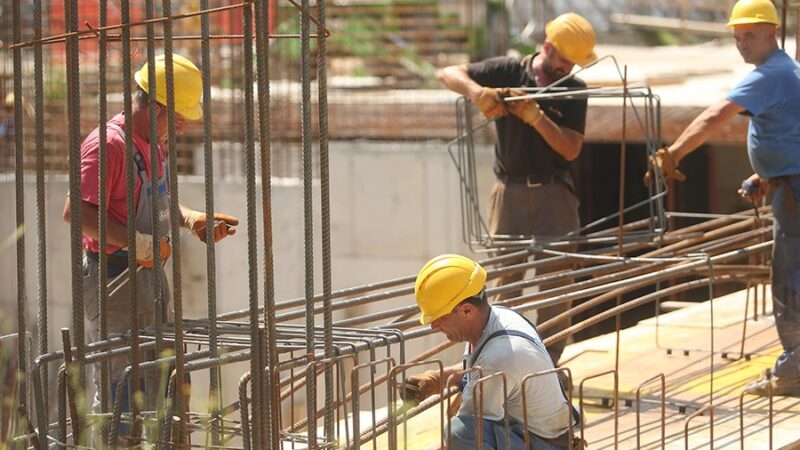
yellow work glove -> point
(144, 249)
(527, 110)
(666, 163)
(224, 225)
(491, 103)
(419, 387)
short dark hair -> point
(478, 300)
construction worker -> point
(187, 92)
(451, 295)
(536, 141)
(770, 97)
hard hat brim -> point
(194, 113)
(750, 20)
(586, 61)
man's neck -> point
(141, 123)
(540, 77)
(769, 53)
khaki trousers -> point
(544, 212)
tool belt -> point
(788, 195)
(533, 181)
(117, 260)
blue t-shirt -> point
(771, 96)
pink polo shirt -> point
(116, 192)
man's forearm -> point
(564, 141)
(116, 233)
(702, 127)
(456, 79)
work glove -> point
(419, 387)
(527, 110)
(144, 249)
(666, 163)
(490, 102)
(224, 225)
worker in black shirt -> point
(536, 141)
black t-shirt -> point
(520, 149)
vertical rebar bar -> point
(19, 151)
(256, 365)
(130, 185)
(308, 212)
(621, 218)
(76, 230)
(214, 392)
(178, 407)
(262, 21)
(102, 291)
(41, 230)
(325, 214)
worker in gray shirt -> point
(450, 292)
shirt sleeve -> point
(756, 92)
(575, 116)
(494, 72)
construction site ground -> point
(678, 345)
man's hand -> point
(527, 110)
(419, 387)
(224, 225)
(490, 102)
(754, 189)
(144, 249)
(666, 163)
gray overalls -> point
(118, 306)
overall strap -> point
(137, 157)
(528, 338)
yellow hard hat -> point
(444, 282)
(9, 99)
(753, 11)
(187, 81)
(573, 37)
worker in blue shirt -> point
(770, 97)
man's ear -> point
(547, 48)
(467, 309)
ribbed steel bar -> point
(256, 365)
(262, 26)
(130, 184)
(308, 205)
(74, 145)
(41, 224)
(178, 408)
(325, 213)
(102, 207)
(214, 394)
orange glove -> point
(144, 249)
(224, 225)
(491, 103)
(527, 110)
(419, 387)
(666, 163)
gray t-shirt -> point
(515, 356)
